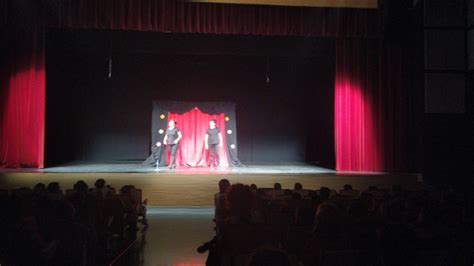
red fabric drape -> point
(193, 125)
(370, 119)
(22, 89)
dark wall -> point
(448, 125)
(93, 117)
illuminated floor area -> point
(137, 167)
(172, 238)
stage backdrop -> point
(193, 120)
(26, 146)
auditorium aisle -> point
(173, 236)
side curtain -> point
(22, 86)
(371, 117)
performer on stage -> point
(213, 141)
(172, 137)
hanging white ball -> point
(232, 146)
(229, 131)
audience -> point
(258, 226)
(44, 227)
(371, 227)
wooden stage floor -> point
(196, 186)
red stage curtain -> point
(22, 89)
(370, 116)
(193, 125)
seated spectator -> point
(39, 192)
(111, 189)
(81, 187)
(298, 186)
(54, 191)
(276, 192)
(348, 191)
(127, 195)
(258, 208)
(328, 223)
(71, 235)
(54, 188)
(101, 191)
(220, 203)
(85, 204)
(241, 202)
(39, 189)
(302, 192)
(254, 188)
(327, 232)
(79, 195)
(30, 242)
(277, 186)
(324, 194)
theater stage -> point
(196, 186)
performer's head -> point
(172, 123)
(212, 123)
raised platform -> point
(196, 186)
(137, 167)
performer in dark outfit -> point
(172, 137)
(213, 141)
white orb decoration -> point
(161, 131)
(232, 146)
(158, 144)
(229, 131)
